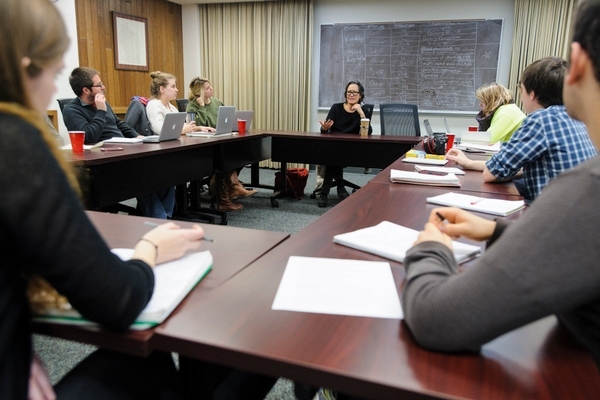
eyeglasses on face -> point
(352, 93)
(98, 85)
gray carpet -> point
(291, 216)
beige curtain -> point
(542, 29)
(258, 57)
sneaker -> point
(342, 193)
(322, 200)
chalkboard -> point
(437, 65)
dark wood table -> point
(233, 250)
(370, 357)
(471, 181)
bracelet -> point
(153, 244)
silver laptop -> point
(225, 122)
(171, 129)
(244, 115)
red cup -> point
(241, 126)
(450, 142)
(77, 138)
(473, 128)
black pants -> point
(331, 173)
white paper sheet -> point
(341, 287)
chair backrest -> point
(63, 102)
(137, 118)
(368, 110)
(399, 119)
(182, 104)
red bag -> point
(295, 182)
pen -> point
(477, 201)
(155, 224)
(440, 216)
(429, 172)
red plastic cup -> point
(473, 128)
(241, 126)
(76, 138)
(450, 141)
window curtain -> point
(258, 56)
(541, 29)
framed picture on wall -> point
(131, 42)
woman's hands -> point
(357, 107)
(461, 159)
(326, 125)
(171, 242)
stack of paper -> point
(416, 178)
(478, 147)
(124, 140)
(172, 282)
(392, 241)
(480, 204)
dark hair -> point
(82, 77)
(586, 32)
(545, 78)
(361, 90)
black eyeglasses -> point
(352, 93)
(98, 85)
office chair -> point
(63, 102)
(399, 119)
(368, 110)
(182, 104)
(136, 117)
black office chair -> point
(368, 110)
(399, 119)
(63, 102)
(182, 104)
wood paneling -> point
(96, 44)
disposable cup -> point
(450, 141)
(77, 138)
(364, 127)
(241, 126)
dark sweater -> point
(45, 231)
(98, 125)
(544, 263)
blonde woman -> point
(499, 114)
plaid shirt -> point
(548, 143)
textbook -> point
(172, 283)
(479, 204)
(392, 241)
(417, 178)
(422, 154)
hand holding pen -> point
(456, 222)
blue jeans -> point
(158, 204)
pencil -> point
(149, 223)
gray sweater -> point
(547, 262)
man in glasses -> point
(90, 112)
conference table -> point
(368, 357)
(233, 250)
(109, 177)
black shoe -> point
(322, 200)
(342, 193)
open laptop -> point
(246, 115)
(225, 122)
(171, 129)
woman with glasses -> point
(342, 118)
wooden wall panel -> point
(96, 45)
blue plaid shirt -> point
(548, 143)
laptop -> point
(225, 122)
(171, 129)
(244, 115)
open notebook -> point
(392, 241)
(172, 282)
(476, 203)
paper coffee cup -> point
(364, 127)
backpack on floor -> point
(295, 184)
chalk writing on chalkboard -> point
(436, 65)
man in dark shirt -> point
(90, 112)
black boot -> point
(322, 200)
